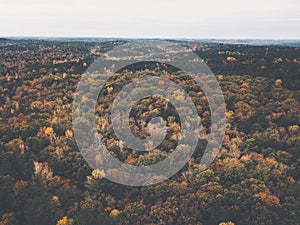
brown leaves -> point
(269, 199)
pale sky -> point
(268, 19)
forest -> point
(44, 179)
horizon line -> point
(171, 38)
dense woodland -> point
(45, 180)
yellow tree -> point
(65, 221)
(226, 223)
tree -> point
(8, 219)
(65, 221)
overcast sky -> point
(274, 19)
